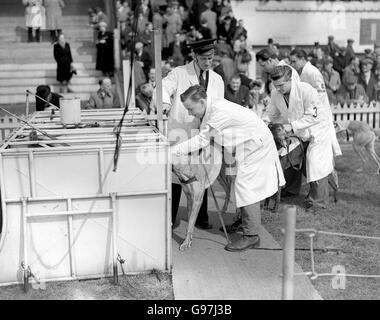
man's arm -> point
(271, 112)
(201, 140)
(91, 104)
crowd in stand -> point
(347, 78)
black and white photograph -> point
(189, 154)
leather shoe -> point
(244, 243)
(203, 225)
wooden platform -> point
(207, 271)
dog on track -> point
(364, 138)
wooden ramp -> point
(207, 271)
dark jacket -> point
(64, 59)
(219, 70)
(343, 95)
(240, 97)
(104, 56)
(370, 87)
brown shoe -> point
(244, 243)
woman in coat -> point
(104, 55)
(62, 54)
(54, 17)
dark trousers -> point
(176, 197)
(30, 35)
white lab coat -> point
(181, 125)
(312, 76)
(259, 172)
(309, 122)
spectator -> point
(227, 31)
(54, 17)
(143, 58)
(144, 9)
(332, 80)
(243, 57)
(152, 77)
(218, 68)
(236, 92)
(240, 43)
(123, 13)
(104, 98)
(33, 19)
(351, 92)
(101, 16)
(141, 23)
(319, 64)
(144, 97)
(173, 24)
(178, 50)
(240, 30)
(338, 55)
(139, 74)
(228, 65)
(65, 68)
(146, 36)
(104, 55)
(350, 52)
(204, 30)
(377, 86)
(217, 8)
(158, 20)
(45, 93)
(210, 17)
(223, 46)
(353, 69)
(198, 7)
(367, 78)
(226, 8)
(257, 99)
(92, 18)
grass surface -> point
(154, 286)
(357, 212)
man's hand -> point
(288, 128)
(166, 108)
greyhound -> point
(363, 140)
(196, 173)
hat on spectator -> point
(367, 61)
(351, 79)
(331, 38)
(350, 40)
(202, 46)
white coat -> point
(259, 172)
(309, 122)
(312, 76)
(181, 125)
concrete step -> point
(21, 89)
(67, 19)
(74, 44)
(43, 66)
(20, 98)
(47, 81)
(42, 59)
(46, 73)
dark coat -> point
(104, 56)
(146, 59)
(64, 60)
(241, 97)
(205, 32)
(219, 70)
(370, 87)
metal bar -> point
(101, 170)
(288, 253)
(114, 239)
(25, 244)
(157, 63)
(71, 239)
(32, 177)
(168, 214)
(82, 197)
(66, 213)
(3, 212)
(27, 105)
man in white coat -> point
(311, 75)
(181, 125)
(297, 105)
(259, 172)
(268, 60)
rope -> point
(118, 128)
(314, 231)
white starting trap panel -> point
(67, 215)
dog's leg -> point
(194, 193)
(358, 150)
(370, 148)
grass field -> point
(357, 212)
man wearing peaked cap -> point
(181, 125)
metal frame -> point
(85, 140)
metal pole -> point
(157, 64)
(27, 105)
(288, 253)
(114, 240)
